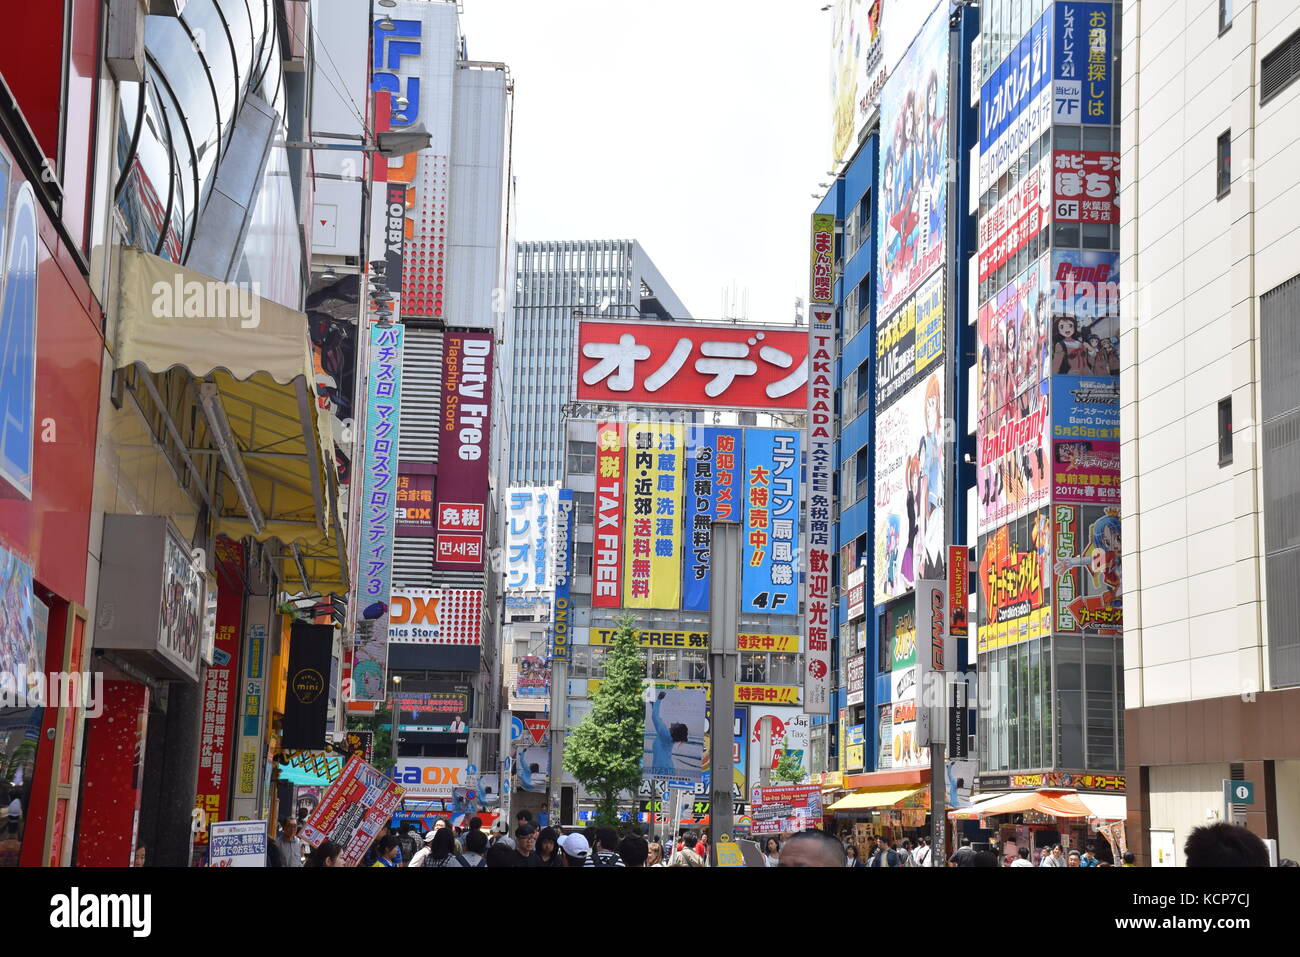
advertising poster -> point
(1085, 312)
(1014, 461)
(694, 365)
(220, 697)
(854, 744)
(885, 731)
(378, 514)
(1082, 62)
(1085, 186)
(530, 520)
(1013, 327)
(740, 754)
(958, 591)
(463, 446)
(533, 678)
(821, 473)
(786, 809)
(910, 341)
(236, 843)
(414, 513)
(1015, 219)
(789, 729)
(653, 546)
(675, 729)
(914, 165)
(910, 725)
(22, 644)
(437, 616)
(444, 709)
(909, 490)
(331, 309)
(1087, 570)
(1085, 439)
(607, 542)
(352, 810)
(18, 319)
(771, 522)
(1014, 587)
(533, 768)
(713, 461)
(1016, 102)
(855, 681)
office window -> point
(582, 558)
(582, 458)
(1225, 15)
(1225, 431)
(1279, 69)
(1223, 163)
(584, 507)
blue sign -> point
(1085, 407)
(711, 492)
(516, 730)
(1082, 65)
(770, 486)
(1025, 73)
(390, 45)
(17, 335)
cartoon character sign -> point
(1089, 570)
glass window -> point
(579, 656)
(1223, 164)
(1069, 704)
(582, 458)
(695, 665)
(1099, 678)
(582, 558)
(584, 507)
(1068, 137)
(753, 669)
(1096, 138)
(663, 664)
(1095, 236)
(1225, 14)
(785, 670)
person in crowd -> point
(634, 851)
(905, 857)
(502, 855)
(812, 849)
(409, 840)
(141, 855)
(965, 856)
(851, 857)
(326, 855)
(702, 845)
(575, 849)
(387, 852)
(476, 845)
(291, 846)
(1073, 859)
(985, 859)
(1023, 859)
(421, 857)
(548, 850)
(772, 851)
(1224, 845)
(1130, 859)
(372, 855)
(442, 850)
(655, 855)
(924, 853)
(886, 855)
(605, 851)
(1053, 858)
(526, 845)
(1089, 858)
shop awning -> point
(1106, 807)
(256, 390)
(1053, 803)
(868, 800)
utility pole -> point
(724, 605)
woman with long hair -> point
(326, 855)
(772, 851)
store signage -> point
(220, 698)
(958, 591)
(820, 473)
(654, 639)
(466, 403)
(306, 702)
(236, 843)
(413, 517)
(530, 519)
(770, 485)
(823, 261)
(1016, 102)
(855, 683)
(560, 634)
(1085, 186)
(352, 810)
(1015, 219)
(857, 592)
(1082, 63)
(430, 777)
(437, 616)
(607, 538)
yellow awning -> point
(874, 799)
(256, 388)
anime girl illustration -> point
(930, 513)
(1102, 560)
(932, 130)
(912, 472)
(893, 534)
(1069, 353)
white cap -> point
(575, 845)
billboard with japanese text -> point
(1014, 582)
(1085, 186)
(352, 810)
(914, 165)
(1087, 570)
(910, 734)
(414, 514)
(821, 495)
(607, 538)
(1016, 102)
(1015, 219)
(910, 341)
(1082, 68)
(463, 446)
(712, 491)
(530, 521)
(1013, 328)
(691, 364)
(653, 540)
(1085, 439)
(770, 530)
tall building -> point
(1209, 247)
(554, 280)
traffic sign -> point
(516, 727)
(471, 770)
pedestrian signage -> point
(1239, 792)
(237, 844)
(729, 855)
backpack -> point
(892, 859)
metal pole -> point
(724, 605)
(938, 790)
(559, 724)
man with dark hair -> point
(499, 855)
(476, 846)
(1130, 859)
(812, 849)
(1023, 859)
(965, 856)
(526, 845)
(604, 853)
(1224, 845)
(634, 850)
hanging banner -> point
(463, 450)
(771, 521)
(653, 547)
(911, 732)
(561, 620)
(1015, 591)
(1085, 439)
(910, 341)
(1087, 570)
(821, 471)
(823, 259)
(607, 538)
(378, 507)
(1082, 62)
(529, 518)
(712, 492)
(787, 809)
(958, 591)
(306, 699)
(675, 734)
(352, 810)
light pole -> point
(724, 605)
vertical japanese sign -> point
(771, 522)
(220, 693)
(1088, 571)
(1082, 68)
(250, 710)
(652, 563)
(607, 547)
(529, 519)
(561, 620)
(821, 386)
(1085, 186)
(466, 404)
(958, 591)
(711, 493)
(414, 516)
(378, 513)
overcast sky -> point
(700, 128)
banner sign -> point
(1015, 591)
(653, 547)
(675, 734)
(463, 449)
(378, 514)
(530, 518)
(771, 490)
(1013, 327)
(855, 681)
(435, 710)
(857, 593)
(823, 259)
(910, 341)
(306, 699)
(911, 732)
(437, 616)
(787, 809)
(654, 639)
(693, 364)
(1015, 219)
(1085, 186)
(250, 709)
(352, 810)
(712, 466)
(788, 644)
(1082, 63)
(1085, 439)
(431, 777)
(821, 470)
(560, 632)
(1013, 461)
(768, 694)
(938, 654)
(958, 591)
(220, 693)
(1087, 571)
(607, 545)
(1016, 102)
(414, 514)
(914, 166)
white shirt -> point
(1022, 862)
(922, 856)
(15, 808)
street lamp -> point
(389, 143)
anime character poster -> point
(1085, 439)
(1088, 571)
(332, 308)
(913, 165)
(1013, 327)
(910, 470)
(675, 728)
(1015, 582)
(1085, 313)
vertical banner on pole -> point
(817, 571)
(558, 647)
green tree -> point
(604, 751)
(789, 769)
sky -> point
(700, 128)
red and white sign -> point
(692, 364)
(787, 809)
(1085, 186)
(537, 727)
(352, 810)
(1014, 220)
(462, 487)
(460, 550)
(607, 542)
(466, 517)
(436, 616)
(220, 691)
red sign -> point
(460, 517)
(1013, 221)
(353, 809)
(782, 810)
(460, 550)
(220, 691)
(463, 447)
(692, 364)
(607, 544)
(1085, 186)
(958, 591)
(537, 727)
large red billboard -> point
(692, 364)
(463, 447)
(607, 548)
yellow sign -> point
(853, 756)
(655, 639)
(1037, 624)
(768, 694)
(594, 685)
(786, 643)
(652, 569)
(729, 855)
